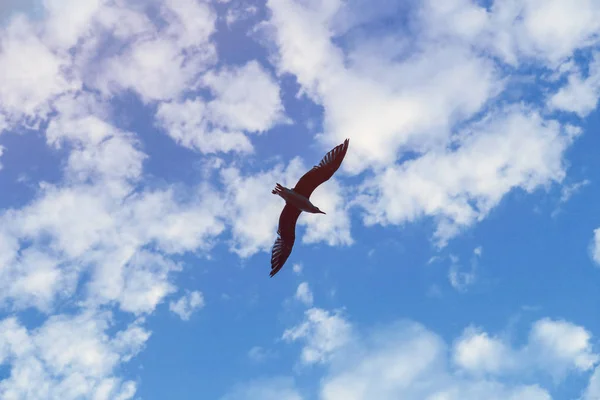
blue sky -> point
(459, 256)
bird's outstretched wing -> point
(322, 172)
(286, 237)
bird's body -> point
(298, 200)
(295, 199)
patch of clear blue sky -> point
(530, 258)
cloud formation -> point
(187, 304)
(406, 360)
(427, 142)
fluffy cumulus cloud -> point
(406, 360)
(363, 95)
(580, 94)
(415, 363)
(553, 346)
(162, 62)
(96, 222)
(518, 31)
(390, 96)
(26, 86)
(322, 332)
(68, 357)
(246, 100)
(513, 149)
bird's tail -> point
(278, 189)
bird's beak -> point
(322, 212)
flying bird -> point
(297, 200)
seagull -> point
(297, 200)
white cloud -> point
(595, 246)
(91, 237)
(361, 99)
(303, 294)
(68, 357)
(123, 22)
(31, 73)
(67, 21)
(562, 346)
(140, 280)
(548, 32)
(460, 280)
(323, 333)
(188, 125)
(187, 304)
(95, 222)
(145, 282)
(568, 191)
(459, 277)
(364, 81)
(96, 238)
(191, 22)
(246, 100)
(153, 68)
(554, 346)
(477, 352)
(592, 391)
(580, 95)
(259, 354)
(297, 268)
(162, 64)
(406, 361)
(555, 29)
(238, 11)
(515, 148)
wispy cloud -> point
(322, 332)
(187, 304)
(304, 294)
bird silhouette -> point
(297, 200)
